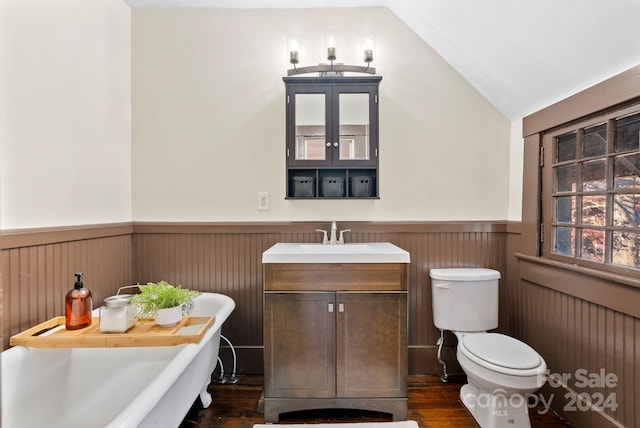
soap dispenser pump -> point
(78, 306)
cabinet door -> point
(309, 125)
(332, 124)
(371, 345)
(355, 131)
(299, 345)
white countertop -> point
(366, 252)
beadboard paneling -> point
(566, 318)
(227, 259)
(575, 320)
(580, 338)
(36, 277)
(38, 267)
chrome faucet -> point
(324, 236)
(333, 239)
(341, 239)
(334, 229)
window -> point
(591, 191)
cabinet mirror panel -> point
(354, 126)
(310, 127)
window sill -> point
(614, 291)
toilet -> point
(500, 369)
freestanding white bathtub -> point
(112, 387)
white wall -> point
(209, 123)
(516, 159)
(65, 115)
(208, 118)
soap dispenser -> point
(78, 306)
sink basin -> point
(372, 252)
(332, 249)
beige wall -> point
(516, 154)
(207, 131)
(209, 125)
(65, 125)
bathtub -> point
(112, 387)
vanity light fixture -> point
(293, 47)
(331, 54)
(323, 69)
(368, 56)
(367, 44)
(293, 58)
(330, 43)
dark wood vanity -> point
(335, 336)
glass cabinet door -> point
(311, 129)
(353, 123)
(332, 125)
(355, 116)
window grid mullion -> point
(609, 189)
(579, 191)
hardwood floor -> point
(431, 404)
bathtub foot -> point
(205, 398)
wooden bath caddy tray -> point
(144, 333)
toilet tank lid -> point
(464, 274)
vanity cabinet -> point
(332, 137)
(335, 336)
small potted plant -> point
(162, 301)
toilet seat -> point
(501, 353)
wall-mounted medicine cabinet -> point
(332, 137)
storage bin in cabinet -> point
(333, 186)
(361, 186)
(304, 186)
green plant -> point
(161, 295)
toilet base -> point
(495, 410)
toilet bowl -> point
(501, 370)
(495, 361)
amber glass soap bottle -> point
(78, 306)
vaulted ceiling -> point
(522, 55)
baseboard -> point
(570, 406)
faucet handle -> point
(324, 238)
(341, 239)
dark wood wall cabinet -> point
(332, 137)
(331, 340)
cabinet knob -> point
(340, 307)
(328, 144)
(336, 144)
(330, 307)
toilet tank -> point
(465, 299)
